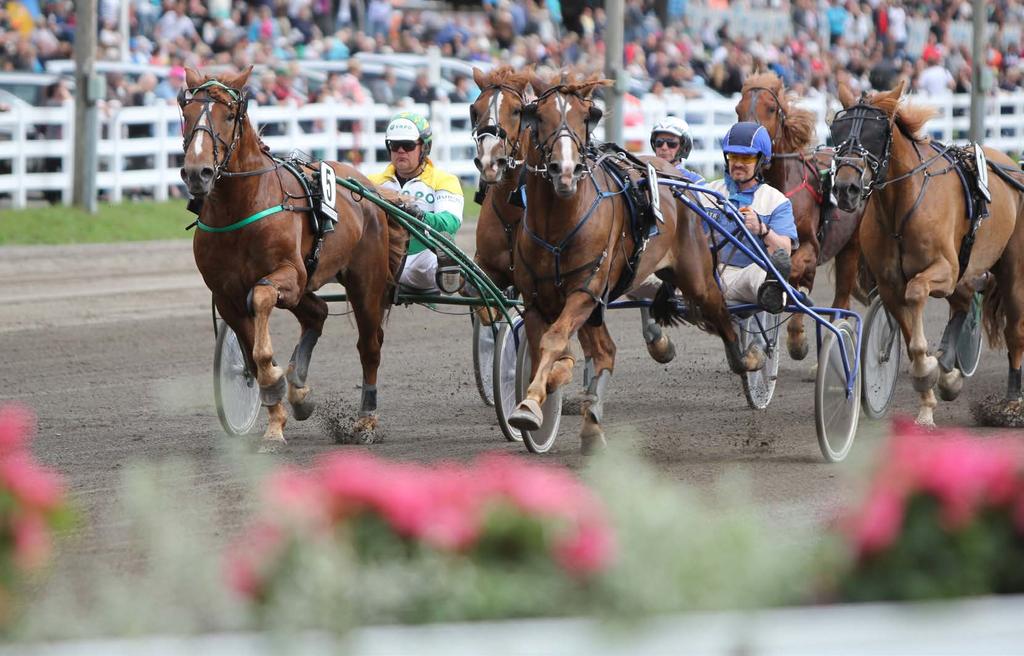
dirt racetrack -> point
(112, 345)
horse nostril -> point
(206, 173)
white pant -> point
(740, 284)
(420, 270)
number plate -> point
(979, 160)
(652, 187)
(328, 192)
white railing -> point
(140, 147)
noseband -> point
(490, 123)
(851, 151)
(236, 106)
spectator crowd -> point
(667, 49)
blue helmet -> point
(748, 138)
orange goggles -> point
(741, 159)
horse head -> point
(765, 101)
(213, 118)
(497, 120)
(560, 121)
(862, 134)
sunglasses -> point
(404, 146)
(658, 143)
(742, 159)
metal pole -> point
(84, 190)
(125, 29)
(613, 49)
(978, 73)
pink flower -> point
(30, 484)
(878, 524)
(297, 494)
(16, 425)
(249, 559)
(586, 551)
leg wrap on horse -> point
(368, 405)
(596, 391)
(1013, 385)
(272, 394)
(299, 368)
(947, 347)
(652, 331)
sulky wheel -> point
(968, 343)
(538, 441)
(880, 357)
(503, 377)
(483, 358)
(234, 387)
(836, 412)
(759, 386)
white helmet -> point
(678, 127)
(402, 129)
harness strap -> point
(244, 222)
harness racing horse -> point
(575, 246)
(795, 171)
(917, 233)
(255, 248)
(496, 115)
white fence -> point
(140, 147)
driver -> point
(435, 196)
(671, 140)
(766, 212)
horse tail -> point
(398, 242)
(664, 309)
(993, 312)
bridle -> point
(752, 113)
(860, 114)
(237, 108)
(546, 147)
(489, 124)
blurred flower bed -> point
(944, 517)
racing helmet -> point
(677, 127)
(748, 138)
(409, 126)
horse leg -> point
(704, 294)
(576, 404)
(264, 297)
(592, 438)
(369, 301)
(311, 313)
(925, 368)
(550, 356)
(805, 262)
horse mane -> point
(798, 128)
(570, 82)
(506, 75)
(910, 119)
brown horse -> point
(795, 171)
(501, 142)
(573, 247)
(254, 239)
(915, 228)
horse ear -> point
(594, 115)
(193, 78)
(539, 85)
(479, 77)
(241, 80)
(846, 96)
(897, 92)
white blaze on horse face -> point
(567, 162)
(198, 144)
(490, 142)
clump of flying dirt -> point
(995, 410)
(339, 422)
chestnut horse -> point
(915, 226)
(496, 115)
(574, 243)
(253, 241)
(795, 171)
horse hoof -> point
(798, 350)
(592, 442)
(273, 393)
(950, 385)
(303, 411)
(364, 431)
(925, 421)
(754, 359)
(272, 445)
(528, 416)
(576, 405)
(662, 350)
